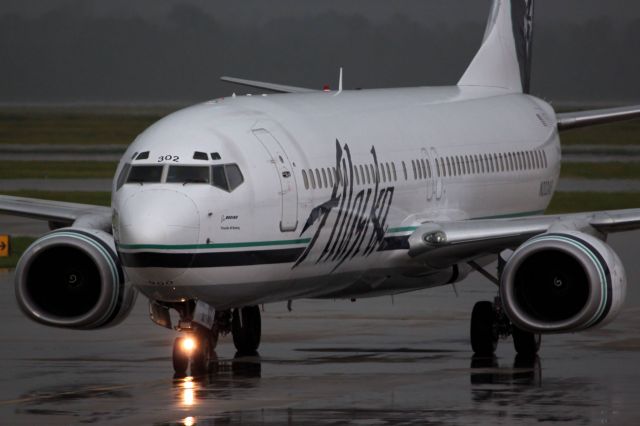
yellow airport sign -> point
(4, 246)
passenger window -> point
(388, 171)
(415, 172)
(318, 178)
(366, 169)
(356, 174)
(395, 175)
(424, 168)
(145, 174)
(459, 165)
(122, 177)
(448, 172)
(419, 169)
(305, 179)
(384, 175)
(313, 179)
(345, 176)
(374, 176)
(324, 178)
(188, 174)
(544, 156)
(404, 170)
(330, 176)
(429, 169)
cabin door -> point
(284, 170)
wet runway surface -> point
(400, 361)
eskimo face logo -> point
(359, 219)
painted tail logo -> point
(358, 219)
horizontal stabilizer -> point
(574, 120)
(269, 86)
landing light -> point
(435, 238)
(188, 344)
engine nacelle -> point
(72, 278)
(563, 282)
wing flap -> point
(281, 88)
(574, 120)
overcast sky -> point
(148, 51)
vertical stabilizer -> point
(504, 59)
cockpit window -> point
(145, 174)
(188, 174)
(227, 177)
(234, 176)
(123, 175)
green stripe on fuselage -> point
(283, 242)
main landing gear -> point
(489, 324)
(194, 350)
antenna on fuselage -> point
(339, 83)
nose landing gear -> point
(196, 348)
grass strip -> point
(73, 127)
(57, 169)
(621, 133)
(17, 246)
(575, 202)
(83, 197)
(613, 170)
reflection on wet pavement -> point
(374, 362)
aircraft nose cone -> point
(161, 218)
(154, 228)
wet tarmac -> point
(400, 361)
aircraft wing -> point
(446, 243)
(574, 120)
(269, 86)
(56, 211)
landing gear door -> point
(288, 189)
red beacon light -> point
(326, 88)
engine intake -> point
(563, 282)
(72, 278)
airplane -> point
(345, 194)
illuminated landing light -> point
(189, 421)
(188, 344)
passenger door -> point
(438, 189)
(284, 170)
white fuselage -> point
(281, 234)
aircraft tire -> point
(484, 336)
(525, 343)
(201, 357)
(246, 328)
(180, 358)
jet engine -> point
(72, 278)
(562, 282)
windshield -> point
(188, 174)
(145, 174)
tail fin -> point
(504, 59)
